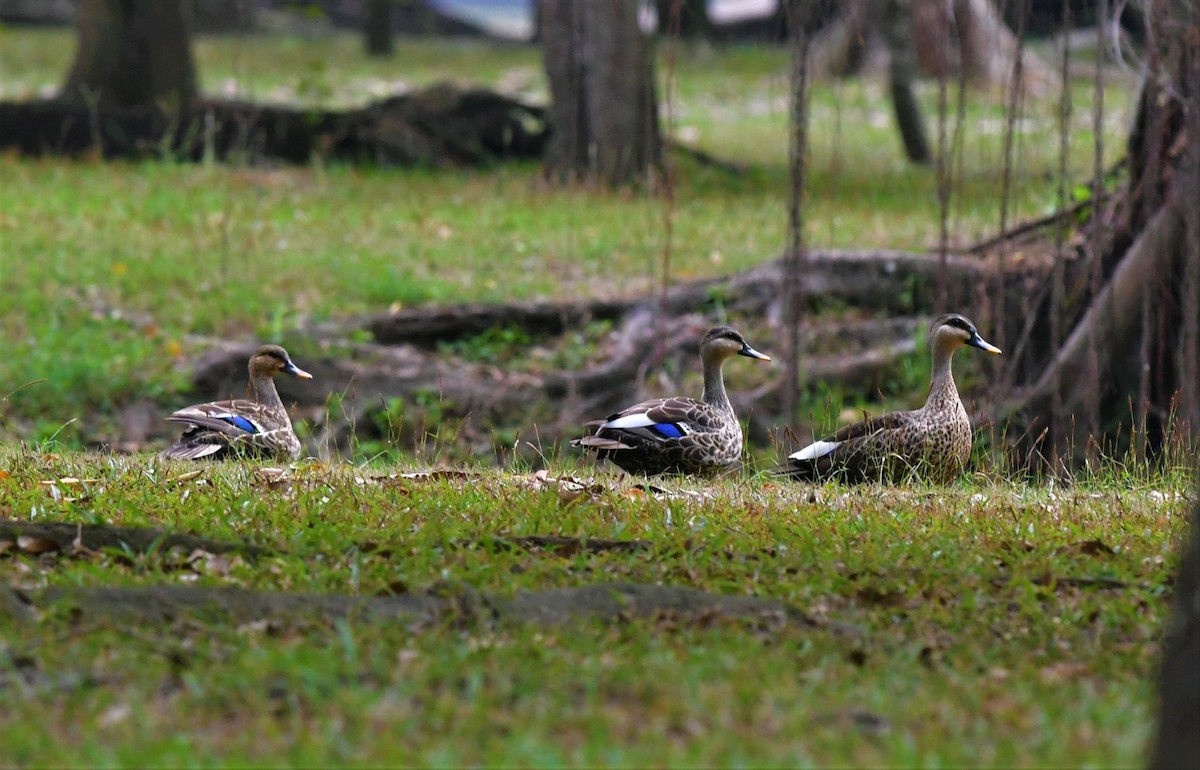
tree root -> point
(439, 125)
(458, 604)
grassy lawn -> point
(980, 624)
(985, 623)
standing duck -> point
(254, 427)
(933, 442)
(679, 435)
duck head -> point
(952, 331)
(270, 360)
(722, 342)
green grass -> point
(972, 646)
(116, 271)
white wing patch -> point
(815, 450)
(639, 420)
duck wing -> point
(660, 420)
(236, 419)
(671, 435)
(852, 453)
(218, 429)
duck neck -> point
(941, 384)
(714, 385)
(262, 390)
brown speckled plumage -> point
(931, 443)
(679, 435)
(254, 427)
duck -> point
(679, 435)
(255, 427)
(931, 443)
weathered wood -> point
(1177, 742)
(427, 328)
(462, 604)
(134, 540)
(435, 126)
(894, 282)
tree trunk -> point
(1177, 743)
(949, 37)
(693, 21)
(133, 53)
(377, 28)
(896, 25)
(605, 112)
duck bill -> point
(297, 371)
(979, 342)
(750, 352)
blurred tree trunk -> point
(133, 53)
(377, 27)
(896, 24)
(605, 111)
(693, 17)
(1177, 744)
(949, 37)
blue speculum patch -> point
(667, 429)
(240, 422)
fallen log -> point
(892, 282)
(438, 125)
(65, 537)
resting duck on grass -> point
(679, 435)
(932, 443)
(254, 427)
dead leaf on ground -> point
(860, 719)
(36, 545)
(1087, 548)
(275, 478)
(187, 476)
(880, 596)
(208, 563)
(1063, 671)
(443, 473)
(661, 493)
(571, 489)
(77, 546)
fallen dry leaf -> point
(445, 473)
(208, 563)
(36, 545)
(1087, 548)
(77, 546)
(275, 478)
(1063, 671)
